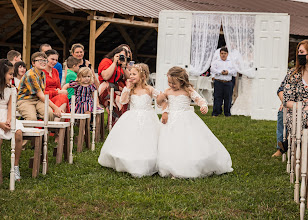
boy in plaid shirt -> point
(31, 90)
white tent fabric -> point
(239, 36)
(204, 41)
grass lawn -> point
(258, 188)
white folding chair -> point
(27, 132)
(304, 173)
(63, 128)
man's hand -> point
(164, 118)
(224, 72)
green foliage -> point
(258, 188)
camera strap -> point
(116, 74)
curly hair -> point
(144, 73)
(84, 71)
(180, 75)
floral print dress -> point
(296, 90)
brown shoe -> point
(277, 154)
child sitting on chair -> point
(6, 75)
(84, 88)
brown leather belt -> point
(224, 81)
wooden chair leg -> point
(66, 148)
(37, 156)
(88, 133)
(82, 124)
(102, 127)
(98, 128)
(60, 145)
(1, 177)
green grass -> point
(258, 188)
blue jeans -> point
(279, 131)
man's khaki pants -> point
(29, 108)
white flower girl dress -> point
(131, 146)
(187, 148)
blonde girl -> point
(84, 88)
(131, 146)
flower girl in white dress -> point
(131, 146)
(187, 148)
(6, 75)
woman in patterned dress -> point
(296, 87)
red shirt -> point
(52, 83)
(104, 64)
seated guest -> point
(19, 72)
(53, 86)
(58, 66)
(30, 98)
(72, 69)
(13, 56)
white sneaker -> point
(17, 173)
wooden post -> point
(94, 120)
(92, 42)
(13, 130)
(26, 50)
(304, 174)
(72, 129)
(111, 107)
(46, 107)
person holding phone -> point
(222, 71)
(112, 73)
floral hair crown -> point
(137, 66)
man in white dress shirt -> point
(222, 71)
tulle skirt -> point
(188, 149)
(131, 146)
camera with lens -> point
(122, 57)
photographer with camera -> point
(112, 73)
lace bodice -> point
(141, 102)
(179, 103)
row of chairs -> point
(297, 161)
(66, 136)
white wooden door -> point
(271, 62)
(173, 46)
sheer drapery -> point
(204, 41)
(239, 36)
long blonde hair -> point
(83, 71)
(180, 75)
(144, 73)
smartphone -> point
(131, 63)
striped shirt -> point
(31, 83)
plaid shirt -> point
(31, 83)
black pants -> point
(222, 95)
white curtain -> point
(239, 36)
(204, 41)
